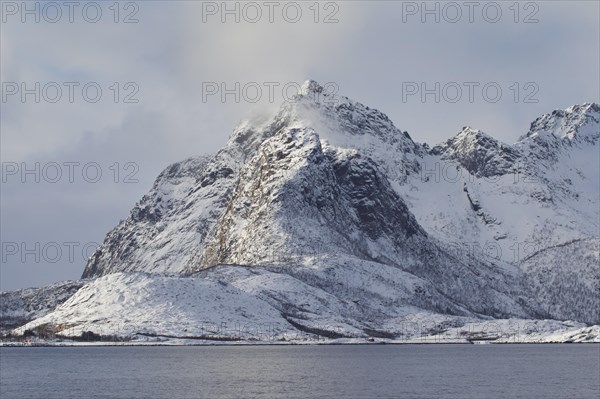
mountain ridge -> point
(329, 203)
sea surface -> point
(341, 371)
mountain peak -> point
(467, 140)
(343, 122)
(471, 135)
(310, 86)
(478, 152)
(580, 121)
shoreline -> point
(247, 343)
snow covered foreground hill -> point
(328, 222)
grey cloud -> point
(170, 53)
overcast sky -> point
(542, 56)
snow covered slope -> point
(246, 305)
(565, 279)
(20, 307)
(140, 304)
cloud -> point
(171, 52)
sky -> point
(99, 97)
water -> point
(365, 371)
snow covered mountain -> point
(328, 219)
(519, 203)
(171, 229)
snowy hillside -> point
(20, 307)
(241, 304)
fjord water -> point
(348, 371)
